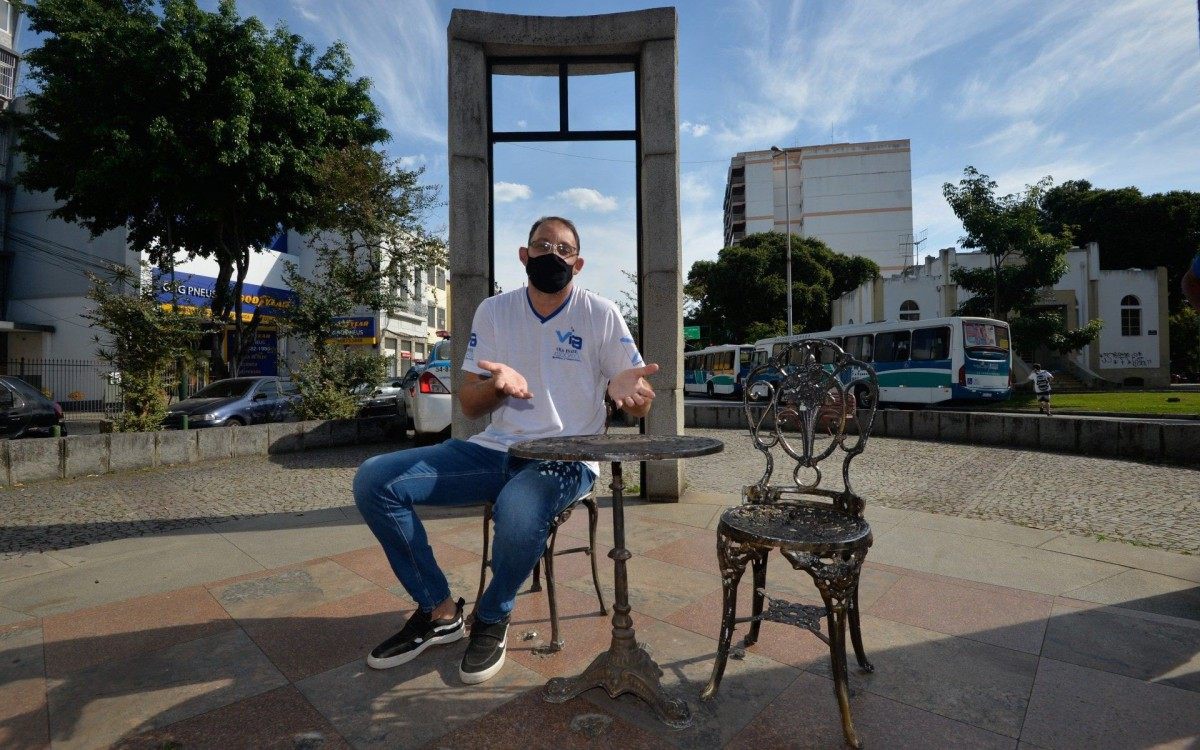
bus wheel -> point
(711, 392)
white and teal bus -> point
(717, 370)
(923, 361)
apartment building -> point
(855, 197)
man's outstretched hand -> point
(506, 380)
(630, 391)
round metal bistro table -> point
(626, 667)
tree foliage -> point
(146, 343)
(742, 295)
(1026, 261)
(1132, 229)
(374, 212)
(198, 132)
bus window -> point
(891, 346)
(828, 354)
(859, 347)
(931, 343)
(985, 340)
(745, 355)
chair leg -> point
(556, 643)
(592, 516)
(537, 576)
(732, 568)
(856, 633)
(483, 566)
(759, 565)
(836, 619)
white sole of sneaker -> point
(474, 678)
(398, 659)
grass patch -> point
(1127, 402)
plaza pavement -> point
(170, 613)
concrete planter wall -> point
(1113, 437)
(40, 459)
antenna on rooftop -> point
(910, 248)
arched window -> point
(1131, 316)
(909, 310)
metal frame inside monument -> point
(563, 63)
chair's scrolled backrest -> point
(802, 409)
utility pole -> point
(787, 214)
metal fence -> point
(83, 386)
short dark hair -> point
(565, 222)
(1036, 366)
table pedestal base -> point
(625, 668)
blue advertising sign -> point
(354, 330)
(196, 292)
(262, 358)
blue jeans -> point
(527, 495)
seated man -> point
(540, 360)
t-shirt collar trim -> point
(557, 310)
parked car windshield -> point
(25, 389)
(231, 388)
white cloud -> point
(401, 47)
(818, 66)
(522, 124)
(1087, 52)
(507, 192)
(1022, 135)
(695, 188)
(588, 199)
(697, 129)
(412, 161)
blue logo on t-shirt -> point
(569, 337)
(574, 345)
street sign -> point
(691, 333)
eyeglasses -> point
(561, 249)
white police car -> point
(430, 395)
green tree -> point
(1137, 231)
(1025, 261)
(196, 131)
(628, 304)
(146, 342)
(374, 240)
(1185, 333)
(1132, 229)
(743, 293)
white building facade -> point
(1133, 346)
(855, 197)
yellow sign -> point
(206, 312)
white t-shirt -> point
(567, 358)
(1041, 380)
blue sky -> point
(1108, 92)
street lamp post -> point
(787, 217)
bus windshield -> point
(985, 340)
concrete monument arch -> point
(643, 42)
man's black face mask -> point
(549, 273)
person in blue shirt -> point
(1191, 283)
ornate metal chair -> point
(818, 529)
(588, 501)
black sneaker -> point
(485, 654)
(418, 634)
